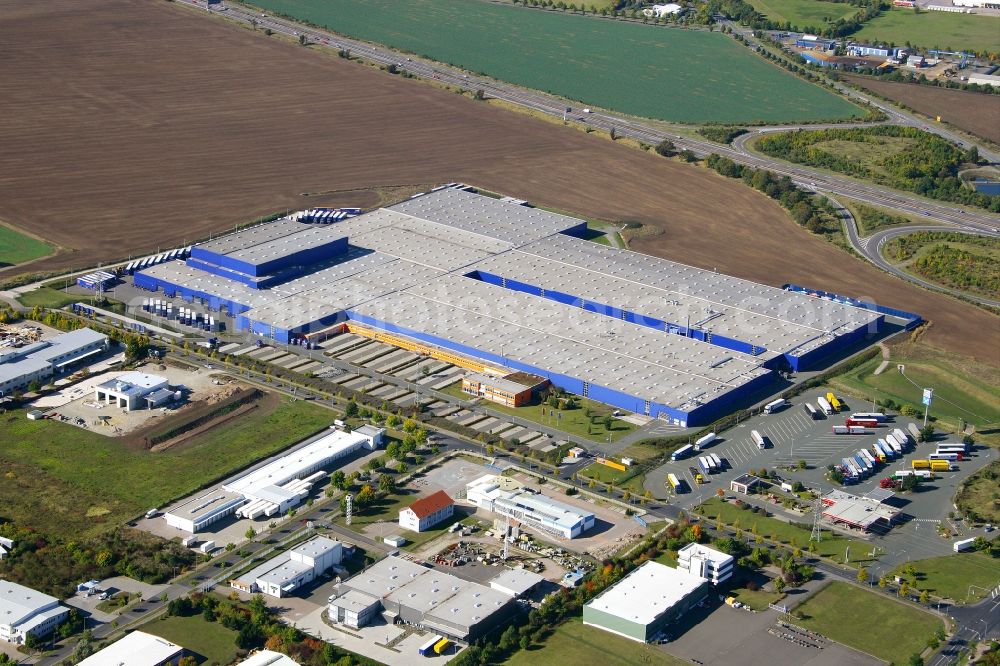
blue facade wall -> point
(230, 265)
(814, 357)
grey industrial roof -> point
(434, 593)
(757, 302)
(307, 238)
(204, 505)
(251, 236)
(356, 601)
(485, 216)
(518, 581)
(41, 355)
(646, 593)
(496, 382)
(669, 369)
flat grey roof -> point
(309, 237)
(785, 320)
(652, 365)
(497, 382)
(486, 216)
(517, 580)
(251, 236)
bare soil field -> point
(977, 113)
(130, 126)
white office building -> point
(427, 512)
(24, 611)
(275, 487)
(268, 658)
(134, 390)
(282, 575)
(709, 563)
(137, 649)
(507, 497)
(42, 360)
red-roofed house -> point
(427, 512)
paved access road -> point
(647, 132)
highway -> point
(974, 220)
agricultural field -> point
(806, 15)
(44, 462)
(387, 132)
(887, 629)
(934, 30)
(626, 67)
(573, 643)
(970, 111)
(17, 248)
(963, 390)
(958, 261)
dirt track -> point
(133, 125)
(978, 113)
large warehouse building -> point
(643, 603)
(42, 360)
(414, 594)
(516, 288)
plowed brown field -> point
(977, 113)
(129, 125)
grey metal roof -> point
(251, 236)
(486, 216)
(765, 309)
(649, 364)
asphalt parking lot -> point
(793, 436)
(719, 634)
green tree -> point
(862, 575)
(386, 483)
(250, 533)
(303, 40)
(666, 148)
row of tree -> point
(926, 163)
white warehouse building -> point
(134, 390)
(282, 575)
(24, 611)
(509, 498)
(275, 487)
(41, 360)
(709, 563)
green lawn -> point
(690, 76)
(574, 643)
(757, 599)
(934, 29)
(46, 462)
(17, 248)
(47, 297)
(966, 393)
(981, 494)
(867, 621)
(808, 15)
(633, 483)
(950, 576)
(215, 643)
(831, 545)
(573, 421)
(385, 509)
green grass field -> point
(831, 545)
(213, 642)
(933, 30)
(757, 599)
(47, 297)
(633, 483)
(887, 629)
(950, 576)
(804, 14)
(688, 76)
(46, 462)
(17, 248)
(981, 494)
(573, 421)
(574, 643)
(961, 391)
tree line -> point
(929, 166)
